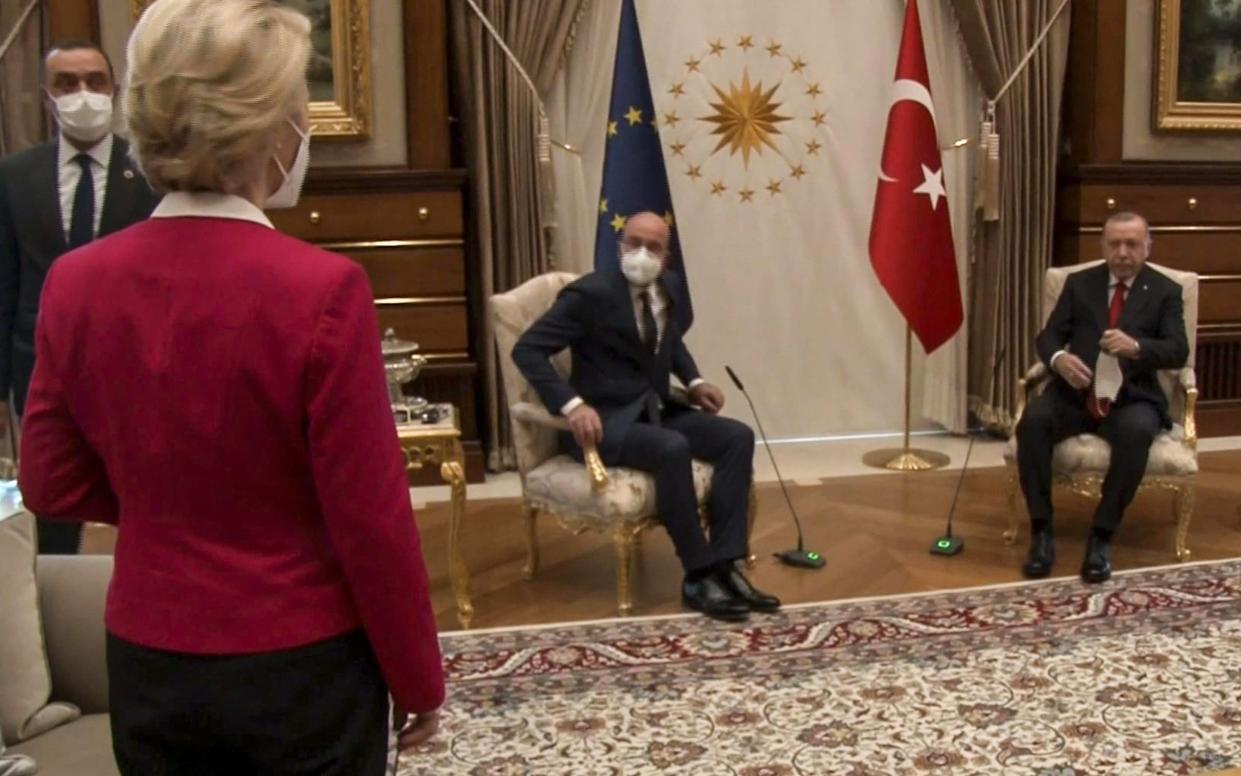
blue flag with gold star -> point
(634, 176)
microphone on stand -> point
(949, 544)
(808, 559)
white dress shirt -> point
(70, 173)
(1112, 282)
(203, 204)
(659, 309)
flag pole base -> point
(901, 459)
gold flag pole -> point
(905, 458)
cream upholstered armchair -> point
(617, 501)
(1081, 462)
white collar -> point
(1112, 280)
(101, 152)
(209, 204)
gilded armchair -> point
(1080, 462)
(581, 497)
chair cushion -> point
(1091, 453)
(562, 484)
(25, 678)
(81, 748)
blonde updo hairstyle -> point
(209, 83)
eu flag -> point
(634, 177)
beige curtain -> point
(509, 188)
(21, 112)
(1012, 253)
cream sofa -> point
(72, 590)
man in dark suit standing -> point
(1116, 324)
(621, 328)
(53, 198)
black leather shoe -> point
(709, 596)
(755, 599)
(1097, 565)
(1042, 555)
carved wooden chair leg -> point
(531, 514)
(624, 539)
(1010, 534)
(1183, 504)
(751, 514)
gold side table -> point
(428, 444)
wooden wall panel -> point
(440, 271)
(1199, 249)
(70, 20)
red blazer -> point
(216, 390)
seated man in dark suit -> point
(1120, 310)
(620, 327)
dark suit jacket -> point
(32, 237)
(612, 371)
(1153, 315)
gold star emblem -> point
(746, 42)
(694, 171)
(618, 222)
(668, 219)
(677, 148)
(603, 206)
(693, 63)
(671, 118)
(797, 171)
(747, 195)
(774, 49)
(746, 118)
(634, 115)
(677, 90)
(718, 188)
(799, 64)
(813, 147)
(774, 187)
(813, 90)
(819, 118)
(613, 131)
(717, 47)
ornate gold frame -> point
(1171, 113)
(349, 115)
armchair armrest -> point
(1035, 376)
(72, 594)
(1189, 384)
(526, 412)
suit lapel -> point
(45, 201)
(1096, 293)
(119, 193)
(1138, 298)
(621, 297)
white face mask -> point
(291, 190)
(84, 116)
(641, 267)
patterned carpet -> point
(1139, 676)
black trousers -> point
(320, 709)
(1057, 414)
(667, 451)
(59, 537)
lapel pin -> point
(128, 175)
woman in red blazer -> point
(215, 389)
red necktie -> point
(1099, 406)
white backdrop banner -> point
(772, 118)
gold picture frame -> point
(342, 90)
(1198, 66)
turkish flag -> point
(910, 233)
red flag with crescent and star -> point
(910, 234)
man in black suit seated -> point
(56, 197)
(621, 328)
(1120, 310)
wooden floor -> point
(875, 532)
